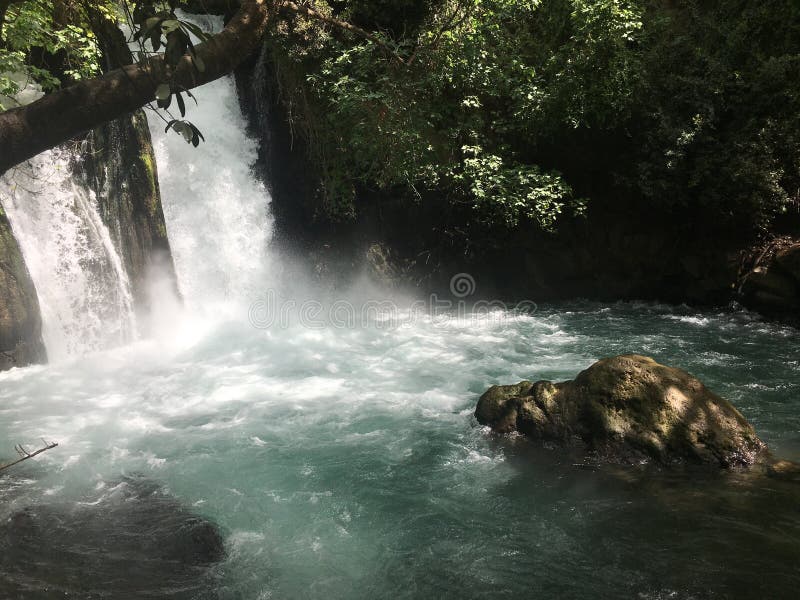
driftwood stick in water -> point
(24, 454)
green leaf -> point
(155, 40)
(163, 91)
(197, 131)
(196, 31)
(149, 25)
(177, 42)
(170, 25)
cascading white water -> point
(83, 288)
(216, 212)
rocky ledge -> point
(772, 287)
(628, 409)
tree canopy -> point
(530, 111)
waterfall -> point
(83, 289)
(217, 212)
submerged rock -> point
(134, 540)
(628, 409)
(784, 469)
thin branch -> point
(25, 454)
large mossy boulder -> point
(628, 409)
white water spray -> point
(83, 289)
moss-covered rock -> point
(628, 409)
(119, 165)
(20, 319)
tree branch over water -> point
(59, 116)
(309, 12)
(26, 454)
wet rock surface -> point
(132, 540)
(20, 319)
(773, 286)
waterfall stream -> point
(83, 289)
(217, 214)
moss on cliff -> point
(20, 321)
(120, 167)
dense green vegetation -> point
(530, 111)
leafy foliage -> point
(48, 43)
(519, 112)
(156, 23)
(719, 111)
(481, 79)
(528, 111)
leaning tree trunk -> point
(57, 117)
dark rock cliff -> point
(622, 249)
(116, 161)
(119, 165)
(20, 321)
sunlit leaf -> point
(163, 91)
